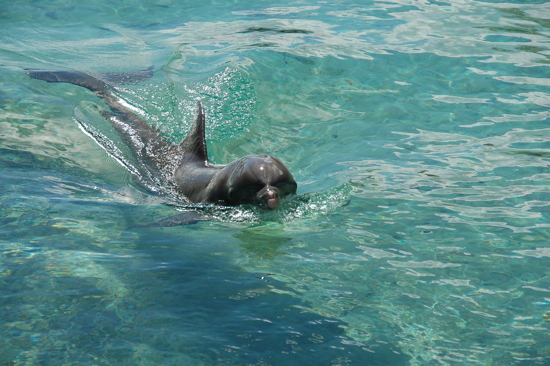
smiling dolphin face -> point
(259, 179)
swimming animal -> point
(184, 168)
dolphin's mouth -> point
(270, 195)
(272, 203)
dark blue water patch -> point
(236, 307)
(439, 3)
(539, 148)
(172, 298)
(403, 9)
(384, 14)
(500, 38)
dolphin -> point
(185, 168)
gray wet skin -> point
(254, 179)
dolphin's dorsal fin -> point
(194, 143)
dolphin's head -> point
(259, 179)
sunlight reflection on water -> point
(418, 129)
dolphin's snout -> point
(272, 203)
(269, 195)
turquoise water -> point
(420, 129)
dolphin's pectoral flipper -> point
(71, 77)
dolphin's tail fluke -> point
(71, 77)
(144, 140)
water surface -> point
(418, 128)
